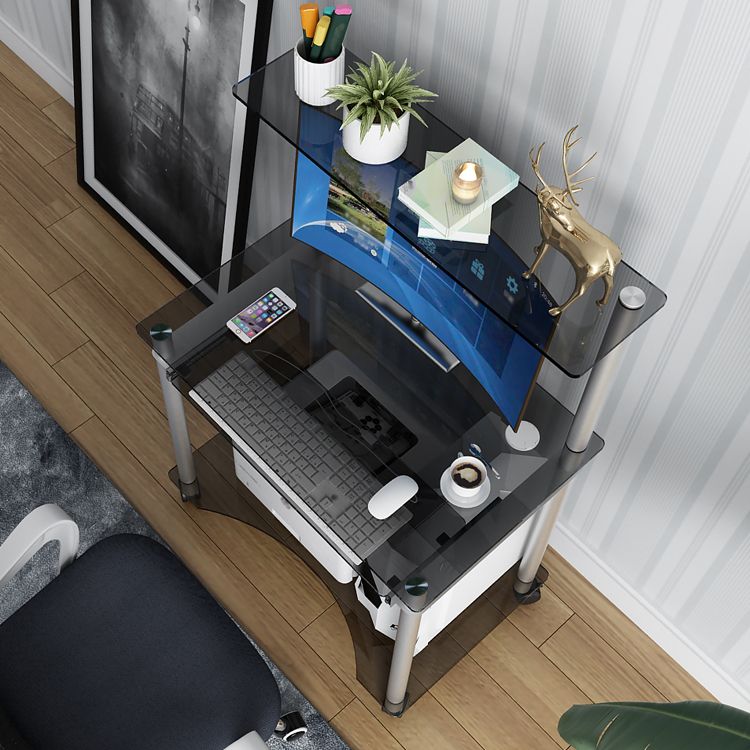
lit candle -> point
(467, 182)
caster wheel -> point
(291, 727)
(533, 595)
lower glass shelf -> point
(369, 656)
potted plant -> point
(377, 105)
(691, 725)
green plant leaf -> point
(337, 91)
(367, 120)
(403, 71)
(377, 64)
(366, 75)
(380, 66)
(357, 88)
(387, 114)
(387, 119)
(415, 114)
(420, 95)
(353, 115)
(406, 75)
(691, 725)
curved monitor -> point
(329, 218)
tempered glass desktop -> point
(429, 414)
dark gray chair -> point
(126, 650)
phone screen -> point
(261, 314)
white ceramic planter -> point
(375, 149)
(312, 79)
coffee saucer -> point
(483, 492)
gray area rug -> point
(40, 464)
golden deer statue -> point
(592, 254)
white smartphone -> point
(261, 315)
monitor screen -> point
(329, 218)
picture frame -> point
(161, 141)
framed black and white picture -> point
(162, 142)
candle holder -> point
(467, 182)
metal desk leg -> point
(526, 586)
(163, 348)
(396, 697)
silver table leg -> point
(163, 349)
(594, 397)
(396, 697)
(526, 586)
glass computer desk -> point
(338, 359)
(391, 401)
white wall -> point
(39, 32)
(661, 520)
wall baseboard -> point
(60, 80)
(631, 603)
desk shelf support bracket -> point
(631, 299)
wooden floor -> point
(73, 284)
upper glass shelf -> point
(491, 273)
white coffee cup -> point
(481, 476)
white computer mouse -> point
(390, 497)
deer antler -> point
(574, 186)
(535, 164)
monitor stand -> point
(525, 439)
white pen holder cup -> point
(312, 79)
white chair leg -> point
(251, 741)
(47, 523)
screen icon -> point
(477, 268)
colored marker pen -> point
(335, 37)
(321, 31)
(308, 13)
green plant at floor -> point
(691, 725)
(375, 94)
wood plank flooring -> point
(73, 283)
